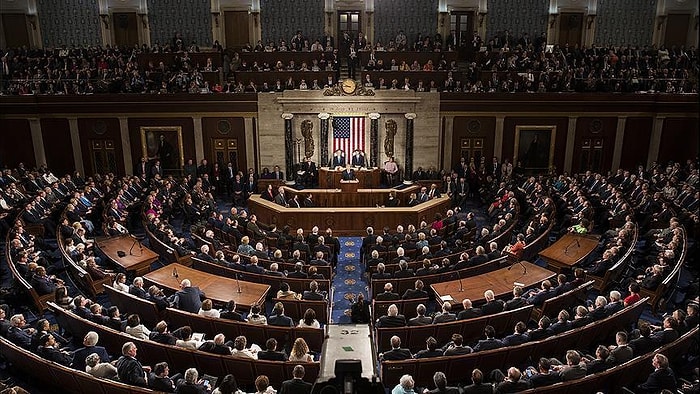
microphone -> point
(578, 244)
(238, 283)
(175, 274)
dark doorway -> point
(126, 32)
(570, 28)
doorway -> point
(570, 28)
(676, 30)
(349, 22)
(15, 30)
(225, 150)
(126, 32)
(236, 31)
(461, 26)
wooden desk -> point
(137, 259)
(569, 250)
(330, 179)
(501, 281)
(348, 220)
(216, 288)
(340, 198)
(263, 182)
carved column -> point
(408, 164)
(288, 145)
(323, 137)
(37, 141)
(374, 139)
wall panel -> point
(187, 125)
(55, 133)
(510, 123)
(594, 128)
(224, 128)
(636, 142)
(473, 127)
(679, 139)
(16, 143)
(92, 129)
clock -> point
(348, 86)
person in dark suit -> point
(156, 169)
(388, 294)
(492, 305)
(421, 319)
(431, 349)
(392, 318)
(89, 346)
(468, 312)
(517, 301)
(270, 353)
(188, 298)
(253, 266)
(216, 346)
(404, 271)
(662, 378)
(313, 294)
(441, 386)
(456, 346)
(136, 288)
(490, 342)
(478, 386)
(296, 385)
(542, 329)
(129, 369)
(539, 297)
(161, 334)
(511, 383)
(542, 376)
(230, 312)
(359, 311)
(348, 174)
(358, 159)
(445, 315)
(416, 293)
(338, 159)
(159, 380)
(381, 272)
(396, 352)
(278, 318)
(574, 368)
(190, 384)
(519, 335)
(667, 334)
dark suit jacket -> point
(295, 386)
(469, 313)
(492, 307)
(313, 296)
(483, 388)
(160, 384)
(658, 380)
(488, 344)
(130, 371)
(397, 354)
(211, 347)
(420, 321)
(138, 292)
(386, 296)
(189, 299)
(411, 294)
(515, 303)
(280, 320)
(512, 387)
(391, 321)
(80, 354)
(272, 356)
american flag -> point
(348, 134)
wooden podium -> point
(349, 186)
(569, 250)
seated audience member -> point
(309, 320)
(89, 346)
(216, 345)
(48, 349)
(192, 384)
(478, 386)
(99, 369)
(519, 335)
(421, 319)
(208, 310)
(621, 352)
(396, 352)
(392, 318)
(135, 328)
(270, 353)
(255, 316)
(574, 368)
(490, 342)
(161, 334)
(160, 380)
(456, 346)
(661, 379)
(468, 311)
(511, 383)
(278, 318)
(415, 293)
(129, 369)
(445, 315)
(431, 349)
(492, 305)
(599, 363)
(388, 294)
(300, 352)
(240, 350)
(562, 324)
(542, 376)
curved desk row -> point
(348, 221)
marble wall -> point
(190, 18)
(390, 104)
(622, 22)
(69, 22)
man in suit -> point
(490, 342)
(513, 382)
(129, 369)
(159, 380)
(396, 352)
(416, 293)
(519, 335)
(662, 378)
(137, 289)
(388, 294)
(278, 318)
(348, 174)
(445, 315)
(188, 298)
(338, 159)
(358, 159)
(270, 353)
(253, 267)
(216, 346)
(156, 169)
(517, 301)
(296, 385)
(468, 311)
(478, 386)
(392, 318)
(313, 294)
(622, 352)
(574, 368)
(381, 274)
(89, 346)
(421, 319)
(456, 346)
(668, 333)
(492, 305)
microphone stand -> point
(238, 283)
(131, 250)
(518, 261)
(459, 277)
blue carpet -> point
(348, 280)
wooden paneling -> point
(236, 26)
(225, 128)
(100, 129)
(636, 142)
(16, 143)
(510, 123)
(594, 128)
(55, 133)
(677, 30)
(679, 139)
(483, 127)
(126, 33)
(15, 28)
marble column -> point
(198, 139)
(498, 138)
(323, 139)
(570, 143)
(75, 144)
(374, 139)
(126, 144)
(288, 145)
(655, 143)
(408, 164)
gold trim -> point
(162, 129)
(552, 143)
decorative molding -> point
(287, 116)
(410, 115)
(374, 115)
(324, 115)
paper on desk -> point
(446, 298)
